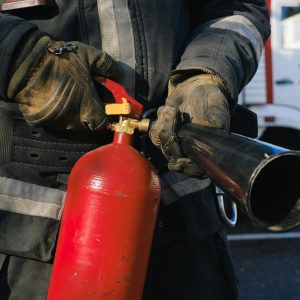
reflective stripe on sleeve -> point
(243, 26)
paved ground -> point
(267, 269)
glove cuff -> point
(207, 76)
(30, 54)
(24, 48)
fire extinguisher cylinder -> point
(107, 225)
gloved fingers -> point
(175, 98)
(198, 100)
(54, 85)
(217, 116)
(60, 100)
(96, 61)
(170, 147)
(99, 62)
(106, 66)
(92, 114)
(185, 165)
(48, 95)
(168, 119)
(163, 135)
(217, 109)
(86, 62)
(205, 105)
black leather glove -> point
(198, 100)
(53, 85)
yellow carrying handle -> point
(118, 108)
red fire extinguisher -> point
(109, 216)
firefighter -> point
(189, 59)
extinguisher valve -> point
(125, 125)
(129, 109)
(128, 125)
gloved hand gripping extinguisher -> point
(109, 216)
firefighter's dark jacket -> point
(151, 38)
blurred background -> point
(268, 264)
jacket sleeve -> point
(13, 31)
(227, 40)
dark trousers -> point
(192, 271)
